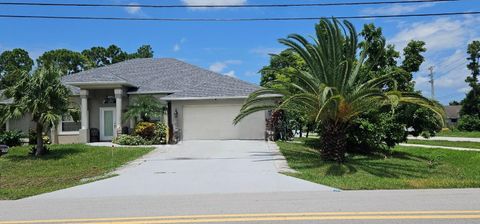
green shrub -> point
(377, 132)
(469, 123)
(130, 140)
(160, 133)
(32, 138)
(11, 138)
(145, 130)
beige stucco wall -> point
(68, 139)
(253, 127)
(23, 124)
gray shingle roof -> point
(166, 75)
(453, 111)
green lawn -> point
(465, 134)
(473, 145)
(406, 168)
(22, 175)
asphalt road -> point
(410, 206)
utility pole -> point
(431, 82)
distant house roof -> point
(453, 112)
(177, 78)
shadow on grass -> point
(396, 165)
(52, 154)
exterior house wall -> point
(23, 124)
(69, 137)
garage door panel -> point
(215, 122)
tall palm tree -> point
(331, 91)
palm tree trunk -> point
(333, 141)
(39, 149)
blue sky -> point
(240, 49)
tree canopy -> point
(12, 62)
(332, 90)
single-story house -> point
(201, 104)
(453, 114)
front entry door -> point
(107, 123)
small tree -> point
(471, 103)
(43, 96)
(144, 108)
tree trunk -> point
(39, 149)
(333, 141)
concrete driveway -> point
(197, 167)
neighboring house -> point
(201, 104)
(453, 114)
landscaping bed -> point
(23, 175)
(404, 168)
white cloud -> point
(230, 73)
(266, 51)
(217, 67)
(177, 47)
(251, 74)
(439, 34)
(133, 10)
(396, 9)
(212, 2)
(220, 66)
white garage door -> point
(214, 121)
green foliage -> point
(11, 64)
(469, 123)
(145, 130)
(471, 103)
(144, 108)
(413, 56)
(101, 56)
(332, 92)
(67, 61)
(375, 131)
(160, 133)
(130, 140)
(11, 138)
(32, 137)
(282, 67)
(43, 96)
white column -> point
(118, 104)
(84, 133)
(7, 125)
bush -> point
(129, 140)
(145, 130)
(32, 138)
(377, 132)
(11, 138)
(469, 123)
(160, 133)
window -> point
(69, 125)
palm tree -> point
(331, 91)
(144, 108)
(43, 96)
